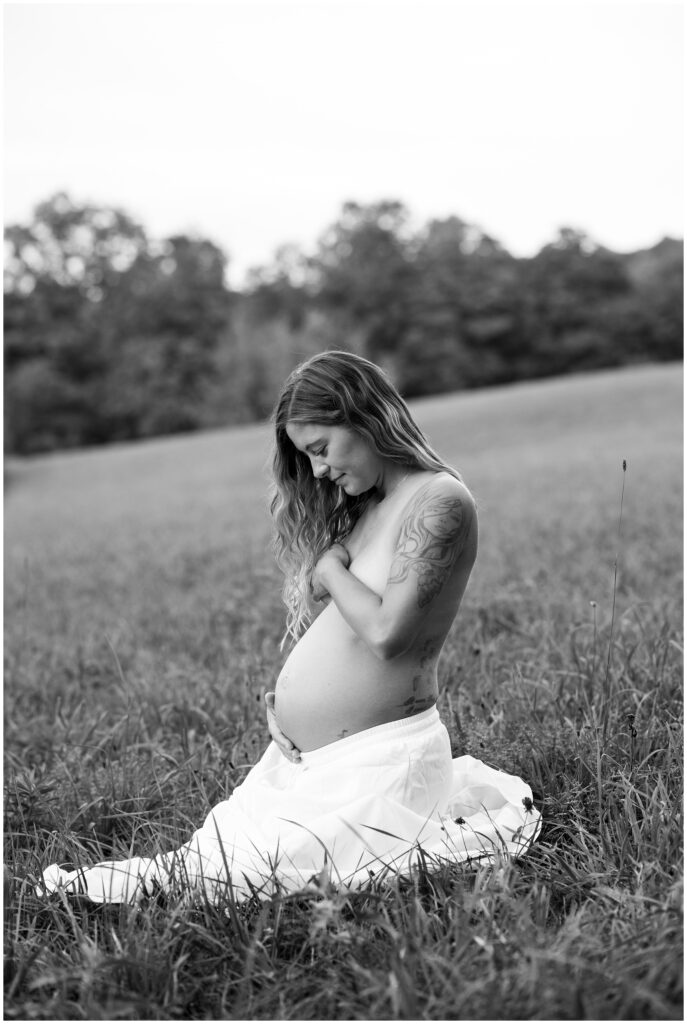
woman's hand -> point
(288, 749)
(337, 554)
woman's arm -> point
(434, 534)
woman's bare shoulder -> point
(438, 526)
(445, 486)
(442, 506)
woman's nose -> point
(319, 468)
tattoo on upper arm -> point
(432, 537)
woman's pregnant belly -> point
(332, 685)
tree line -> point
(111, 335)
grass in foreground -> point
(142, 625)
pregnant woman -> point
(377, 538)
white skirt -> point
(371, 803)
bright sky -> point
(251, 123)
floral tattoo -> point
(431, 539)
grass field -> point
(142, 621)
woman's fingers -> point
(288, 749)
(286, 746)
(337, 553)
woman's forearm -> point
(359, 606)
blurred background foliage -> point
(111, 335)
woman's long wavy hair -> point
(310, 514)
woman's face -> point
(339, 454)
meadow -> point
(142, 626)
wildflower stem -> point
(615, 588)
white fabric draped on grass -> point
(371, 803)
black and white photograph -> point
(343, 510)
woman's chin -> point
(356, 490)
